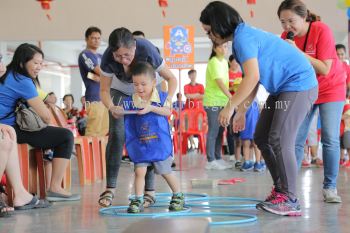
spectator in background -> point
(81, 122)
(178, 103)
(89, 65)
(194, 93)
(139, 34)
(233, 140)
(215, 98)
(51, 98)
(23, 200)
(18, 82)
(71, 111)
(10, 165)
(341, 53)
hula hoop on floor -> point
(248, 217)
(165, 197)
(225, 206)
(121, 211)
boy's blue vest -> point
(147, 136)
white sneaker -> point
(331, 196)
(214, 165)
(224, 163)
(232, 158)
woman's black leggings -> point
(60, 140)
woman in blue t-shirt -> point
(18, 83)
(289, 78)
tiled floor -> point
(83, 216)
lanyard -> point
(307, 36)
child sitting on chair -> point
(147, 135)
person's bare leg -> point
(238, 150)
(257, 153)
(173, 182)
(9, 150)
(139, 182)
(48, 173)
(246, 150)
(59, 166)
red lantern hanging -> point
(45, 5)
(163, 4)
(251, 12)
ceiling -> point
(62, 37)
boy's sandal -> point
(106, 196)
(5, 210)
(149, 200)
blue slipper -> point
(55, 197)
(35, 203)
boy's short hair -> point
(143, 68)
(340, 46)
(191, 72)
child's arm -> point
(164, 111)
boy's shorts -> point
(160, 167)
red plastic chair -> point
(193, 122)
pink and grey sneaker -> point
(282, 205)
(268, 199)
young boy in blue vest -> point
(147, 135)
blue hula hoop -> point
(248, 217)
(116, 211)
(221, 199)
(165, 197)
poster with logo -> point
(179, 46)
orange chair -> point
(97, 157)
(193, 122)
(83, 153)
(84, 149)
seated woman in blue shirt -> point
(18, 83)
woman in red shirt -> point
(315, 40)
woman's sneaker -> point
(177, 202)
(282, 205)
(135, 206)
(268, 199)
(331, 196)
(224, 163)
(214, 165)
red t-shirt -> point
(193, 89)
(320, 45)
(232, 76)
(347, 69)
